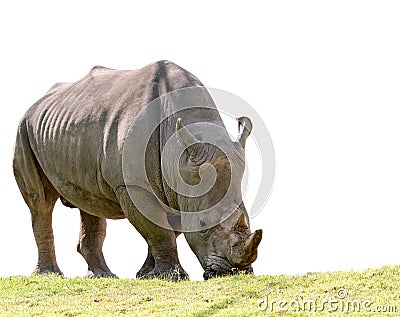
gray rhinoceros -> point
(69, 146)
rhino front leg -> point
(147, 266)
(91, 237)
(149, 263)
(162, 259)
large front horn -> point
(245, 252)
(253, 241)
(193, 145)
(250, 247)
(245, 126)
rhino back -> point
(77, 130)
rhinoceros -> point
(69, 146)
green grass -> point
(241, 295)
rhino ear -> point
(245, 126)
(188, 139)
(184, 134)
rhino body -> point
(69, 146)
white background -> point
(323, 75)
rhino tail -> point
(35, 187)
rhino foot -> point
(147, 266)
(144, 271)
(96, 273)
(175, 274)
(40, 271)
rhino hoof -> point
(174, 274)
(100, 273)
(144, 271)
(40, 271)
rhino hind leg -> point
(91, 237)
(43, 232)
(162, 259)
(40, 196)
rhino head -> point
(223, 242)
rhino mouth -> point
(218, 266)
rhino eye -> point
(206, 233)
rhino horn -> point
(245, 126)
(241, 223)
(253, 241)
(246, 253)
(188, 139)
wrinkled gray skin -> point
(69, 147)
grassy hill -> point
(373, 292)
